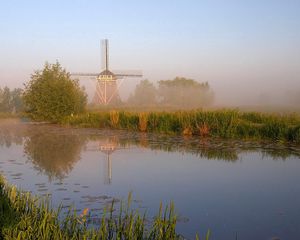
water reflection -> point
(11, 132)
(203, 148)
(281, 153)
(107, 147)
(217, 184)
(54, 150)
(52, 153)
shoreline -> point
(225, 124)
(207, 124)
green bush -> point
(51, 94)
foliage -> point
(51, 94)
(10, 100)
(177, 93)
(186, 93)
(17, 100)
(114, 118)
(8, 216)
(5, 100)
(220, 123)
(145, 94)
(143, 121)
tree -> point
(187, 93)
(145, 94)
(11, 100)
(5, 100)
(16, 99)
(51, 94)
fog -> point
(248, 52)
(245, 85)
(275, 92)
(256, 75)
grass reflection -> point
(54, 150)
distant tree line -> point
(51, 95)
(11, 100)
(179, 92)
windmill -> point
(108, 82)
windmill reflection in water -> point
(107, 147)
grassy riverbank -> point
(219, 123)
(23, 216)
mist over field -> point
(278, 96)
(248, 52)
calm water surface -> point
(247, 188)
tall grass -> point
(143, 121)
(220, 123)
(114, 118)
(26, 217)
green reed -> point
(220, 123)
(24, 216)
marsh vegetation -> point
(220, 123)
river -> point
(234, 188)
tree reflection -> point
(54, 150)
(211, 149)
(203, 148)
(53, 153)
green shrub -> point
(51, 94)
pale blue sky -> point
(231, 44)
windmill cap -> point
(106, 72)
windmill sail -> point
(105, 54)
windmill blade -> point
(128, 73)
(85, 74)
(105, 55)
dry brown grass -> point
(114, 118)
(203, 130)
(187, 131)
(143, 121)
